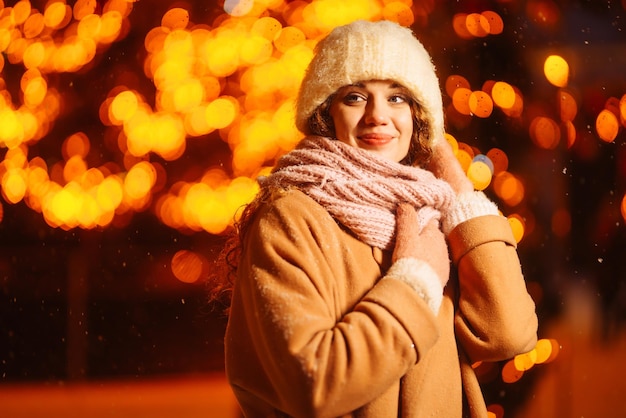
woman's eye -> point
(353, 98)
(396, 98)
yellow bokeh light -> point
(547, 350)
(139, 132)
(503, 94)
(288, 38)
(517, 109)
(167, 135)
(479, 174)
(525, 361)
(34, 55)
(14, 185)
(221, 112)
(267, 27)
(556, 70)
(329, 14)
(239, 192)
(89, 26)
(196, 123)
(188, 95)
(109, 193)
(11, 130)
(256, 50)
(517, 226)
(139, 180)
(111, 26)
(123, 107)
(65, 204)
(543, 350)
(221, 53)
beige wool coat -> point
(317, 330)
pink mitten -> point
(420, 258)
(446, 167)
(469, 204)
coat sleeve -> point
(320, 358)
(496, 317)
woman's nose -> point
(376, 112)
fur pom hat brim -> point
(362, 51)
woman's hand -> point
(446, 167)
(428, 246)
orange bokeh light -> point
(545, 132)
(189, 266)
(607, 125)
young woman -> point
(342, 301)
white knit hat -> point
(362, 51)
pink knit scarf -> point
(360, 189)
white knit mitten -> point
(466, 206)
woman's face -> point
(375, 116)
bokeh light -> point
(236, 79)
(556, 70)
(189, 266)
(477, 25)
(607, 125)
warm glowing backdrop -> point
(132, 132)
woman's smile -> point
(376, 139)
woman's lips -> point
(376, 139)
